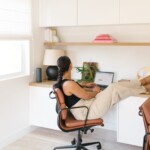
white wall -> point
(38, 39)
(125, 61)
(14, 108)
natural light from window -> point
(14, 58)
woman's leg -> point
(147, 87)
(145, 80)
(130, 84)
(110, 96)
(106, 99)
(136, 83)
(80, 113)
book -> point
(104, 38)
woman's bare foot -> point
(147, 87)
(145, 80)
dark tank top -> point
(72, 99)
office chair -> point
(145, 113)
(67, 123)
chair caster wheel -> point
(99, 147)
(92, 130)
(73, 142)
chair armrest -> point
(86, 114)
(146, 134)
(50, 95)
(140, 113)
(85, 121)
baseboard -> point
(16, 135)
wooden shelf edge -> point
(96, 44)
(44, 83)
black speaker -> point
(38, 74)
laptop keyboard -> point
(102, 87)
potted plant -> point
(88, 71)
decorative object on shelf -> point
(55, 37)
(38, 74)
(50, 35)
(50, 60)
(88, 71)
(104, 38)
(143, 72)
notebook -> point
(103, 79)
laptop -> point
(103, 79)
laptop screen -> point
(104, 78)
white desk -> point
(42, 108)
(130, 126)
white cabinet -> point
(130, 128)
(92, 12)
(134, 11)
(57, 13)
(98, 12)
(42, 108)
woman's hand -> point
(96, 89)
(90, 85)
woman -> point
(98, 102)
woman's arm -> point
(88, 84)
(71, 87)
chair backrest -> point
(145, 113)
(61, 102)
(145, 110)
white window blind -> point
(15, 34)
(15, 17)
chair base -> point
(79, 145)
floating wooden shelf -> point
(96, 44)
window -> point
(15, 35)
(14, 58)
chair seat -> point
(145, 113)
(146, 108)
(71, 122)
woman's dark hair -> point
(63, 64)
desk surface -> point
(45, 83)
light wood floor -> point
(45, 139)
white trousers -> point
(104, 100)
